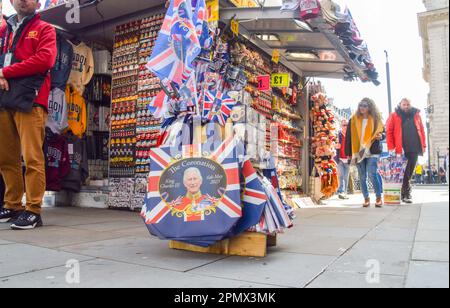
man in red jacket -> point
(406, 135)
(28, 47)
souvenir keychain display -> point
(147, 127)
(323, 145)
(124, 98)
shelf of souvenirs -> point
(142, 166)
(125, 81)
(124, 92)
(147, 83)
(291, 129)
(129, 132)
(294, 158)
(126, 46)
(119, 74)
(131, 27)
(291, 116)
(294, 144)
(152, 21)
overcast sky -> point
(385, 25)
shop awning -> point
(98, 18)
(268, 28)
(315, 52)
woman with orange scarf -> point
(363, 144)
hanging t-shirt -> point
(57, 111)
(79, 170)
(77, 115)
(57, 162)
(82, 66)
(63, 66)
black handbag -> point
(22, 91)
(376, 148)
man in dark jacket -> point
(406, 135)
(28, 52)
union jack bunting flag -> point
(221, 109)
(193, 195)
(177, 45)
(158, 106)
(208, 102)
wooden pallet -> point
(248, 244)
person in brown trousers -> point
(27, 53)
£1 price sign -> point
(280, 80)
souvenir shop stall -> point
(208, 117)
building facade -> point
(433, 26)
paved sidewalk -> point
(338, 245)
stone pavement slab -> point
(339, 232)
(314, 244)
(393, 257)
(54, 237)
(277, 269)
(110, 274)
(144, 251)
(19, 258)
(386, 233)
(432, 236)
(2, 242)
(332, 279)
(431, 251)
(428, 275)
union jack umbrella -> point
(164, 217)
(254, 199)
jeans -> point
(419, 179)
(409, 171)
(344, 174)
(368, 169)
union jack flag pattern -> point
(221, 109)
(158, 106)
(177, 45)
(254, 198)
(205, 219)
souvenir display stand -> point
(208, 129)
(248, 244)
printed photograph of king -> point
(193, 185)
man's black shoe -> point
(27, 221)
(8, 215)
(407, 200)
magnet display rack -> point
(147, 128)
(134, 131)
(124, 98)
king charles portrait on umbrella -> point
(194, 202)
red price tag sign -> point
(264, 83)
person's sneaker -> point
(341, 196)
(407, 200)
(27, 221)
(8, 215)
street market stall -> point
(208, 129)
